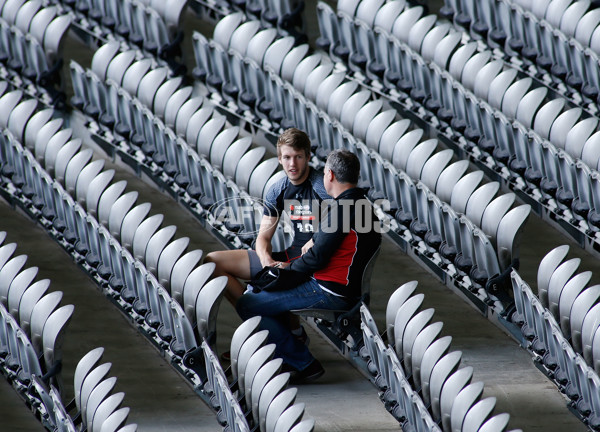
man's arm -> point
(307, 246)
(268, 225)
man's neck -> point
(340, 188)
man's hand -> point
(307, 246)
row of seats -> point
(561, 291)
(99, 409)
(35, 60)
(284, 15)
(420, 208)
(420, 379)
(368, 121)
(32, 328)
(43, 22)
(571, 131)
(169, 324)
(114, 267)
(32, 323)
(524, 159)
(577, 19)
(555, 333)
(153, 26)
(552, 119)
(257, 383)
(549, 53)
(223, 153)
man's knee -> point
(210, 258)
(230, 263)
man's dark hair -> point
(344, 165)
(294, 138)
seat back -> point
(17, 288)
(403, 315)
(453, 385)
(183, 268)
(97, 396)
(260, 357)
(115, 420)
(569, 293)
(366, 277)
(53, 336)
(278, 405)
(83, 368)
(262, 377)
(27, 302)
(397, 299)
(91, 381)
(7, 274)
(412, 330)
(168, 258)
(422, 341)
(289, 418)
(546, 269)
(270, 391)
(104, 410)
(432, 355)
(478, 414)
(497, 423)
(207, 307)
(465, 399)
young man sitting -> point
(296, 194)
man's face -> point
(294, 163)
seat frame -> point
(337, 325)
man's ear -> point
(331, 175)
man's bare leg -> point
(234, 264)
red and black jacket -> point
(347, 238)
